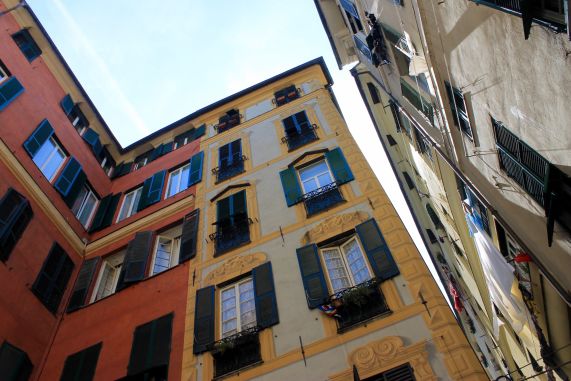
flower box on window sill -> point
(237, 352)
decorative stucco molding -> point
(333, 226)
(234, 267)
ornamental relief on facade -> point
(234, 267)
(333, 226)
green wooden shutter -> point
(15, 214)
(82, 284)
(92, 138)
(27, 45)
(201, 130)
(312, 275)
(40, 135)
(290, 185)
(138, 254)
(67, 104)
(203, 319)
(167, 147)
(152, 190)
(15, 365)
(81, 366)
(122, 169)
(157, 152)
(265, 294)
(195, 169)
(339, 166)
(238, 204)
(105, 212)
(378, 252)
(75, 188)
(151, 345)
(68, 176)
(52, 280)
(223, 209)
(189, 236)
(9, 90)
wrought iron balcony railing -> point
(227, 122)
(225, 172)
(295, 141)
(284, 97)
(231, 233)
(358, 304)
(236, 352)
(322, 198)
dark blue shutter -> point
(81, 366)
(265, 294)
(377, 250)
(9, 90)
(189, 236)
(15, 365)
(15, 214)
(40, 135)
(157, 152)
(350, 7)
(67, 104)
(82, 284)
(138, 254)
(68, 176)
(312, 275)
(195, 169)
(122, 169)
(52, 280)
(203, 319)
(302, 122)
(92, 138)
(236, 151)
(76, 187)
(224, 156)
(167, 147)
(105, 212)
(151, 346)
(152, 190)
(201, 130)
(290, 185)
(339, 166)
(223, 209)
(27, 45)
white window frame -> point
(179, 189)
(173, 255)
(56, 149)
(83, 204)
(141, 163)
(114, 262)
(236, 287)
(3, 75)
(301, 169)
(132, 209)
(345, 262)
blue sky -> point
(146, 64)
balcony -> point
(322, 199)
(225, 172)
(297, 140)
(231, 233)
(358, 304)
(236, 352)
(286, 95)
(231, 119)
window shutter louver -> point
(82, 284)
(235, 151)
(15, 214)
(157, 152)
(378, 252)
(67, 104)
(339, 166)
(201, 130)
(291, 187)
(152, 190)
(42, 133)
(224, 156)
(167, 147)
(15, 365)
(314, 284)
(151, 345)
(203, 319)
(223, 209)
(138, 253)
(52, 280)
(81, 366)
(302, 122)
(189, 236)
(238, 203)
(68, 176)
(75, 188)
(122, 169)
(289, 126)
(265, 294)
(92, 138)
(195, 168)
(104, 216)
(9, 90)
(349, 7)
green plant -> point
(223, 346)
(357, 296)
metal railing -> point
(322, 198)
(357, 304)
(236, 352)
(227, 122)
(297, 140)
(287, 96)
(231, 233)
(225, 172)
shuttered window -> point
(189, 236)
(138, 254)
(122, 169)
(421, 104)
(130, 204)
(92, 139)
(152, 190)
(195, 173)
(286, 95)
(51, 283)
(232, 222)
(85, 205)
(298, 130)
(409, 181)
(189, 136)
(15, 365)
(27, 45)
(44, 150)
(81, 366)
(10, 87)
(230, 160)
(71, 181)
(15, 214)
(81, 287)
(178, 180)
(459, 109)
(108, 276)
(105, 212)
(375, 98)
(166, 250)
(150, 351)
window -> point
(107, 162)
(130, 204)
(237, 307)
(391, 140)
(230, 160)
(431, 236)
(49, 158)
(10, 87)
(352, 15)
(108, 276)
(178, 180)
(81, 365)
(286, 95)
(52, 280)
(4, 74)
(422, 142)
(142, 160)
(189, 136)
(14, 363)
(246, 307)
(85, 205)
(74, 114)
(228, 120)
(402, 123)
(421, 104)
(459, 110)
(15, 214)
(232, 222)
(400, 373)
(167, 249)
(480, 211)
(374, 93)
(27, 44)
(317, 184)
(408, 180)
(346, 265)
(298, 130)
